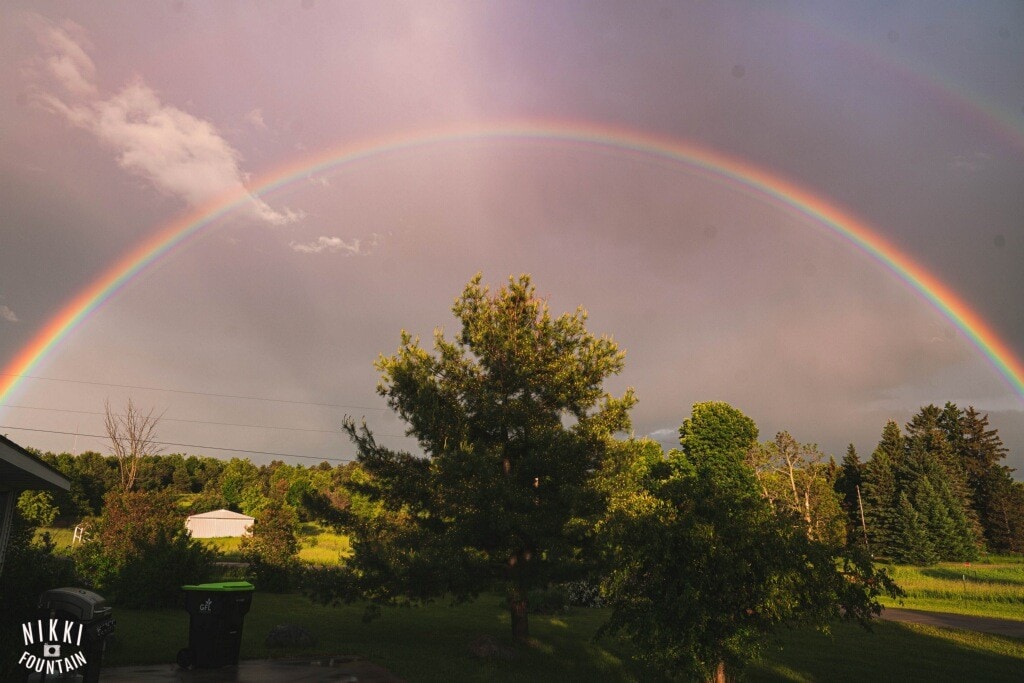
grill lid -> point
(81, 604)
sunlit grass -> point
(995, 589)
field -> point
(994, 588)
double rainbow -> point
(708, 162)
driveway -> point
(999, 627)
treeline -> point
(209, 483)
(936, 490)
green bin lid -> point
(221, 586)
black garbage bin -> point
(70, 635)
(216, 614)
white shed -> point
(218, 523)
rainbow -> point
(710, 163)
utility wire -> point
(187, 445)
(194, 393)
(201, 422)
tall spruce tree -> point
(880, 492)
(980, 451)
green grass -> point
(319, 545)
(431, 644)
(228, 547)
(420, 644)
(891, 652)
(995, 590)
(60, 536)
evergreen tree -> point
(980, 451)
(880, 491)
(911, 542)
(514, 420)
(847, 482)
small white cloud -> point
(255, 119)
(7, 314)
(177, 152)
(356, 247)
(671, 433)
(319, 180)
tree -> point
(881, 495)
(37, 507)
(132, 436)
(272, 548)
(848, 485)
(793, 476)
(139, 553)
(701, 568)
(513, 421)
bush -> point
(272, 549)
(29, 569)
(584, 594)
(139, 553)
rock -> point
(289, 635)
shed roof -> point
(20, 470)
(222, 514)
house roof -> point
(20, 470)
(222, 514)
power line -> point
(202, 422)
(194, 393)
(186, 445)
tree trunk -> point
(517, 612)
(720, 676)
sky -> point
(348, 167)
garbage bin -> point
(71, 634)
(216, 613)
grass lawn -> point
(431, 644)
(421, 644)
(995, 589)
(891, 652)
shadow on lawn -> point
(891, 652)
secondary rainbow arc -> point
(711, 163)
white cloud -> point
(7, 314)
(177, 152)
(334, 244)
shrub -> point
(272, 549)
(139, 553)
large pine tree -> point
(880, 492)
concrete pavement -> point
(297, 670)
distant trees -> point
(938, 491)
